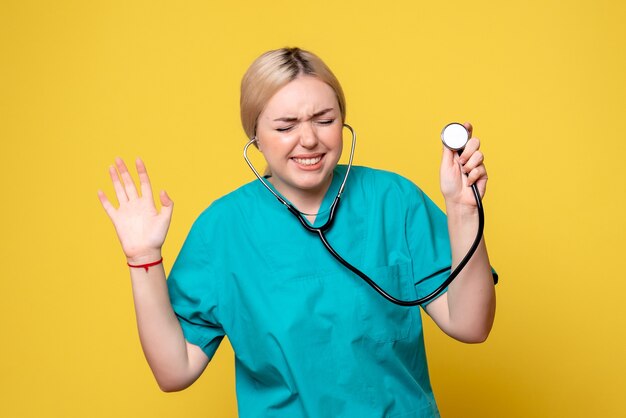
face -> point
(300, 135)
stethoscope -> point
(454, 136)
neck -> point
(307, 201)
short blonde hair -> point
(273, 70)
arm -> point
(175, 363)
(467, 310)
(141, 229)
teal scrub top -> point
(311, 339)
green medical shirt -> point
(311, 339)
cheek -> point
(275, 145)
(338, 140)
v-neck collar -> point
(327, 200)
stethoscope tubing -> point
(435, 293)
(291, 207)
(331, 216)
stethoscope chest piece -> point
(454, 136)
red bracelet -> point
(146, 266)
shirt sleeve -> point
(193, 289)
(429, 242)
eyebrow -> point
(292, 119)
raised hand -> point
(459, 172)
(140, 227)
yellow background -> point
(543, 82)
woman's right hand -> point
(140, 228)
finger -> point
(471, 147)
(129, 184)
(108, 207)
(476, 159)
(469, 127)
(117, 185)
(479, 173)
(481, 183)
(167, 205)
(144, 180)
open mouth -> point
(308, 161)
(311, 161)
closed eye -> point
(320, 122)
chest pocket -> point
(381, 320)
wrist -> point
(146, 266)
(461, 212)
(144, 258)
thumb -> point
(447, 157)
(167, 205)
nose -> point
(308, 136)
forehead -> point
(304, 95)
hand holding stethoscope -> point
(459, 172)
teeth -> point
(308, 161)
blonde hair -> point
(273, 70)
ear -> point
(258, 144)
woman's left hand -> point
(459, 172)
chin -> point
(308, 185)
(311, 183)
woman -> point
(310, 338)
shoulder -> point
(387, 189)
(377, 180)
(228, 207)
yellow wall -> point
(544, 83)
